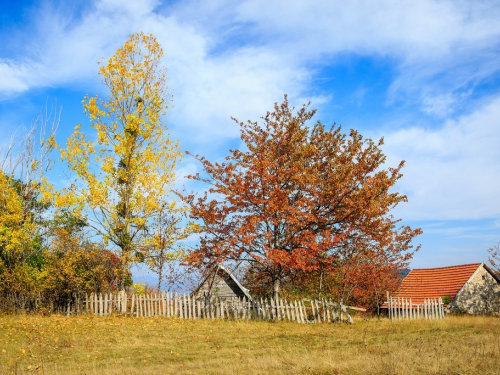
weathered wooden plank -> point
(132, 305)
(167, 302)
(318, 311)
(101, 304)
(344, 310)
(292, 312)
(303, 310)
(277, 306)
(299, 313)
(313, 312)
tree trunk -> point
(161, 263)
(320, 283)
(276, 288)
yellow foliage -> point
(125, 175)
(14, 230)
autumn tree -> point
(25, 196)
(297, 197)
(163, 249)
(73, 264)
(123, 177)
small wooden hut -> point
(222, 284)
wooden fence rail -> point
(404, 308)
(185, 306)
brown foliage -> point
(299, 199)
(74, 265)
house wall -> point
(481, 295)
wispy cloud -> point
(235, 59)
(259, 47)
(452, 172)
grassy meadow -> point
(125, 345)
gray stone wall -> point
(481, 295)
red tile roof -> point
(435, 282)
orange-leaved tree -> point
(297, 197)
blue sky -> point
(423, 74)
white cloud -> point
(16, 77)
(235, 59)
(444, 44)
(452, 172)
(208, 89)
(439, 105)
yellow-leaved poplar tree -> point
(124, 177)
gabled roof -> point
(221, 269)
(437, 282)
(243, 289)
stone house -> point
(469, 288)
(222, 284)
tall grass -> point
(124, 345)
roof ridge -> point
(440, 268)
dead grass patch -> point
(124, 345)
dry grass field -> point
(124, 345)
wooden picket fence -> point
(404, 308)
(185, 306)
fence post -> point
(295, 313)
(313, 312)
(288, 312)
(132, 305)
(303, 307)
(344, 310)
(154, 303)
(100, 304)
(317, 318)
(292, 311)
(167, 302)
(327, 308)
(400, 308)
